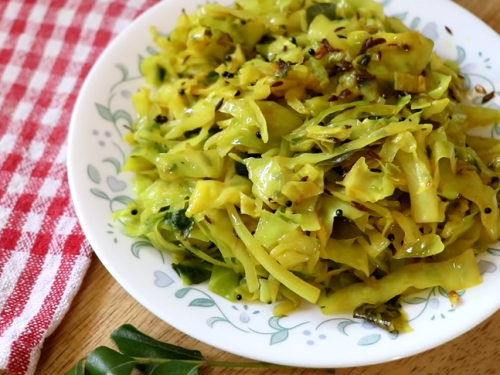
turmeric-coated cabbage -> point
(294, 150)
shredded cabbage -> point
(297, 150)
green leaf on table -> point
(132, 342)
(106, 361)
(79, 369)
(104, 112)
(175, 368)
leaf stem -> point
(148, 361)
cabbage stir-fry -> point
(288, 150)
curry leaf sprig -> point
(140, 352)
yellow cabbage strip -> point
(455, 274)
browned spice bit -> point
(347, 126)
(379, 55)
(358, 16)
(333, 98)
(346, 65)
(488, 97)
(370, 42)
(277, 84)
(406, 47)
(448, 30)
(327, 192)
(454, 298)
(207, 219)
(453, 96)
(235, 234)
(358, 206)
(393, 249)
(480, 89)
(285, 48)
(217, 107)
(339, 29)
(304, 179)
(324, 49)
(345, 93)
(282, 68)
(270, 200)
(374, 155)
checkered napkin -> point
(47, 48)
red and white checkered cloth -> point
(47, 48)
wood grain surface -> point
(102, 305)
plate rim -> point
(127, 285)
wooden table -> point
(102, 305)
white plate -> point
(306, 338)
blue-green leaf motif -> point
(369, 339)
(124, 71)
(99, 193)
(94, 174)
(274, 322)
(151, 50)
(115, 163)
(215, 319)
(415, 23)
(202, 302)
(141, 58)
(494, 252)
(124, 115)
(104, 112)
(393, 335)
(181, 293)
(123, 199)
(401, 16)
(343, 325)
(415, 300)
(278, 337)
(137, 246)
(461, 54)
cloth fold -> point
(47, 48)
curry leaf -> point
(345, 229)
(212, 77)
(106, 361)
(191, 275)
(180, 222)
(327, 9)
(383, 316)
(79, 369)
(175, 368)
(132, 342)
